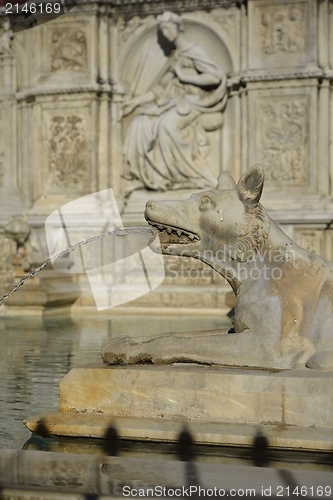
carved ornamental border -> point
(130, 8)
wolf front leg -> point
(246, 349)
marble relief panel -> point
(66, 150)
(67, 53)
(282, 136)
(281, 34)
(174, 98)
(311, 239)
(68, 49)
(283, 139)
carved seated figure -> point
(283, 315)
(166, 143)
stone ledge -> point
(166, 430)
(218, 406)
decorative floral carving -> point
(227, 21)
(283, 29)
(68, 152)
(283, 139)
(69, 50)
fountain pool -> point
(36, 354)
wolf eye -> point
(205, 203)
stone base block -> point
(218, 405)
(298, 397)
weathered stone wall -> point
(63, 86)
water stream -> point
(120, 232)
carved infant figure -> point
(283, 315)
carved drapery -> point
(167, 142)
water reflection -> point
(190, 452)
(36, 353)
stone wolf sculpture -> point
(283, 315)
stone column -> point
(116, 101)
(323, 34)
(7, 68)
(104, 181)
(323, 133)
(331, 137)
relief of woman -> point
(166, 143)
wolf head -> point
(227, 219)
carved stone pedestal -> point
(219, 406)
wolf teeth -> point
(174, 230)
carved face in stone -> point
(169, 30)
(227, 219)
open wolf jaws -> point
(283, 315)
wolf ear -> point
(225, 181)
(250, 185)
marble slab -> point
(220, 406)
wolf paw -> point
(322, 360)
(125, 351)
